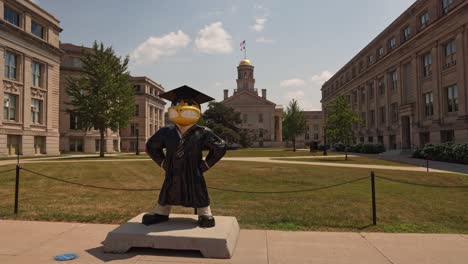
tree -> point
(294, 122)
(224, 121)
(102, 97)
(339, 123)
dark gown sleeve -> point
(216, 147)
(155, 146)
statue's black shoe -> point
(206, 221)
(151, 219)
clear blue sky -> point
(294, 45)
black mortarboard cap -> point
(184, 93)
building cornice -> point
(18, 31)
(391, 28)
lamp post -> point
(137, 147)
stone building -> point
(29, 66)
(72, 137)
(260, 117)
(314, 131)
(149, 114)
(409, 85)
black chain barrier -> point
(214, 188)
(8, 170)
(423, 184)
(90, 186)
(295, 191)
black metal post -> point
(17, 187)
(137, 139)
(374, 210)
(427, 165)
(324, 142)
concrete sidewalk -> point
(38, 242)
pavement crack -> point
(376, 248)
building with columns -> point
(261, 118)
(409, 85)
(30, 68)
(313, 135)
(149, 114)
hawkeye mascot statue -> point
(184, 183)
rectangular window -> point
(382, 114)
(260, 118)
(11, 16)
(137, 110)
(447, 136)
(371, 59)
(37, 30)
(394, 111)
(446, 6)
(260, 133)
(381, 51)
(370, 139)
(381, 86)
(392, 43)
(133, 129)
(372, 118)
(394, 79)
(136, 88)
(10, 107)
(427, 63)
(428, 104)
(363, 118)
(450, 54)
(363, 96)
(36, 110)
(424, 20)
(11, 63)
(39, 145)
(74, 121)
(36, 74)
(371, 90)
(244, 118)
(407, 33)
(452, 98)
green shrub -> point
(449, 152)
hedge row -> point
(449, 152)
(359, 148)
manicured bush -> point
(368, 148)
(449, 152)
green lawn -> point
(352, 160)
(400, 207)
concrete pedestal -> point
(181, 232)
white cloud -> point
(296, 82)
(264, 40)
(156, 47)
(213, 39)
(322, 77)
(259, 25)
(298, 95)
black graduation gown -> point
(184, 183)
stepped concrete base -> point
(181, 232)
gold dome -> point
(245, 62)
